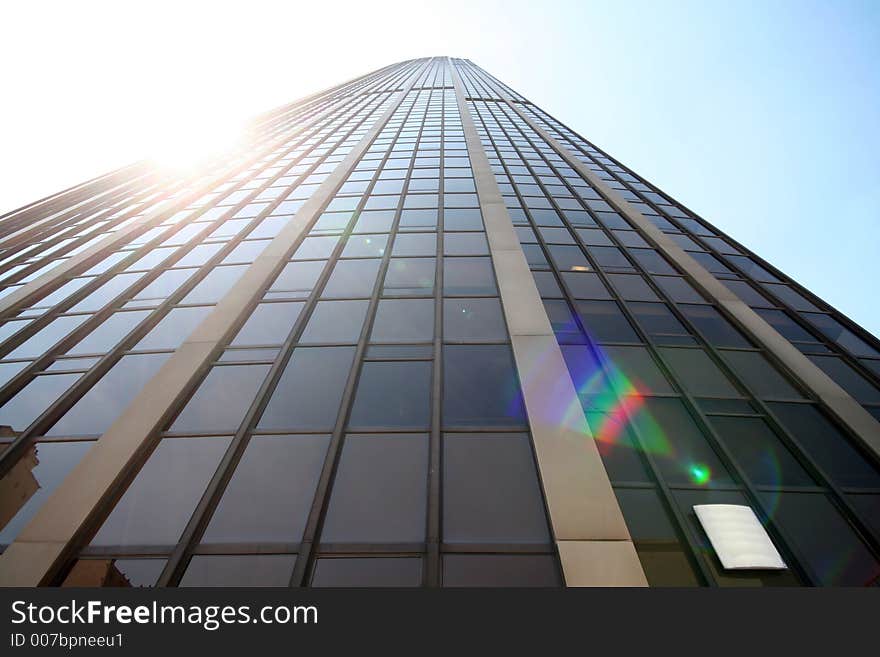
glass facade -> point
(365, 418)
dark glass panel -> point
(473, 319)
(462, 276)
(239, 570)
(174, 328)
(109, 333)
(604, 322)
(297, 279)
(698, 373)
(414, 244)
(660, 551)
(491, 492)
(495, 570)
(335, 321)
(404, 320)
(760, 375)
(157, 505)
(480, 387)
(632, 287)
(634, 371)
(409, 277)
(862, 390)
(118, 573)
(585, 286)
(269, 323)
(46, 337)
(759, 452)
(393, 394)
(716, 329)
(222, 399)
(352, 279)
(830, 547)
(29, 482)
(33, 399)
(308, 394)
(270, 493)
(368, 572)
(669, 433)
(100, 406)
(380, 491)
(827, 445)
(679, 290)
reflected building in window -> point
(414, 331)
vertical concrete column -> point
(52, 536)
(846, 409)
(594, 545)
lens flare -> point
(700, 473)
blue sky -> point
(761, 116)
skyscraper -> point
(416, 332)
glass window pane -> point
(473, 319)
(135, 573)
(618, 447)
(494, 570)
(415, 244)
(335, 321)
(679, 290)
(109, 333)
(308, 394)
(174, 328)
(698, 373)
(491, 492)
(862, 390)
(827, 445)
(269, 324)
(716, 329)
(661, 554)
(297, 279)
(762, 377)
(222, 399)
(632, 287)
(657, 320)
(678, 446)
(33, 399)
(216, 284)
(823, 538)
(409, 277)
(368, 572)
(380, 491)
(365, 246)
(100, 406)
(465, 244)
(40, 342)
(404, 320)
(759, 452)
(239, 570)
(352, 279)
(480, 387)
(316, 247)
(44, 465)
(604, 322)
(270, 494)
(393, 394)
(462, 276)
(585, 286)
(157, 505)
(634, 371)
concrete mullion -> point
(595, 547)
(48, 541)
